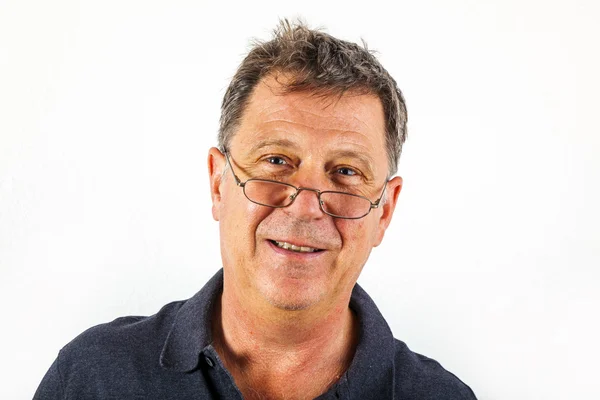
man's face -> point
(313, 142)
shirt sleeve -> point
(51, 387)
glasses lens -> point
(345, 205)
(269, 193)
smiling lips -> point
(292, 247)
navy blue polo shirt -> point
(169, 356)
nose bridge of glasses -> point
(307, 202)
(301, 189)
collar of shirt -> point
(371, 368)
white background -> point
(108, 108)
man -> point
(302, 186)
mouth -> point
(294, 248)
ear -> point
(216, 168)
(392, 192)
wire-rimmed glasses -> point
(275, 194)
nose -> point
(306, 204)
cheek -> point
(240, 218)
(357, 236)
(238, 224)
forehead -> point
(312, 120)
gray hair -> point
(321, 63)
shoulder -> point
(420, 377)
(128, 331)
(125, 341)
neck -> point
(272, 327)
(266, 343)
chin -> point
(286, 305)
(292, 297)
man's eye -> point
(275, 160)
(347, 171)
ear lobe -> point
(393, 191)
(216, 165)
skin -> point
(283, 326)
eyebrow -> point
(273, 142)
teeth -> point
(300, 249)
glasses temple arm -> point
(377, 202)
(228, 161)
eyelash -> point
(267, 159)
(354, 172)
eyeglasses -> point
(269, 193)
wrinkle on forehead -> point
(278, 105)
